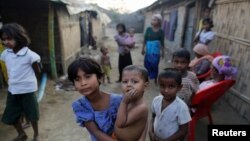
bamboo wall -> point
(69, 35)
(232, 21)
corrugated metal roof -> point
(164, 2)
(76, 7)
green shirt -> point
(151, 35)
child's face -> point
(105, 50)
(86, 84)
(8, 42)
(206, 25)
(133, 80)
(119, 29)
(131, 33)
(181, 64)
(169, 88)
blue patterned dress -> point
(104, 119)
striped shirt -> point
(190, 85)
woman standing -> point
(123, 48)
(153, 46)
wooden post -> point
(51, 41)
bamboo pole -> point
(235, 39)
(51, 41)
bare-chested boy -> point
(132, 116)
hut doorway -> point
(190, 24)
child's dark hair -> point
(182, 53)
(142, 70)
(87, 65)
(16, 32)
(209, 21)
(171, 73)
(122, 26)
(102, 49)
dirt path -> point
(57, 121)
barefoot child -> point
(131, 122)
(95, 110)
(190, 82)
(105, 63)
(21, 63)
(170, 115)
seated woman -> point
(222, 69)
(202, 62)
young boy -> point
(190, 82)
(105, 63)
(170, 115)
(131, 122)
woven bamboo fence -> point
(232, 26)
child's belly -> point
(131, 133)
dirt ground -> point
(57, 122)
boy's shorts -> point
(19, 104)
(106, 70)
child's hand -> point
(129, 96)
(153, 137)
(126, 49)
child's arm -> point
(110, 64)
(102, 60)
(162, 51)
(152, 136)
(38, 68)
(197, 37)
(180, 134)
(143, 48)
(144, 41)
(144, 134)
(162, 45)
(93, 129)
(125, 119)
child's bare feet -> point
(36, 138)
(21, 137)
